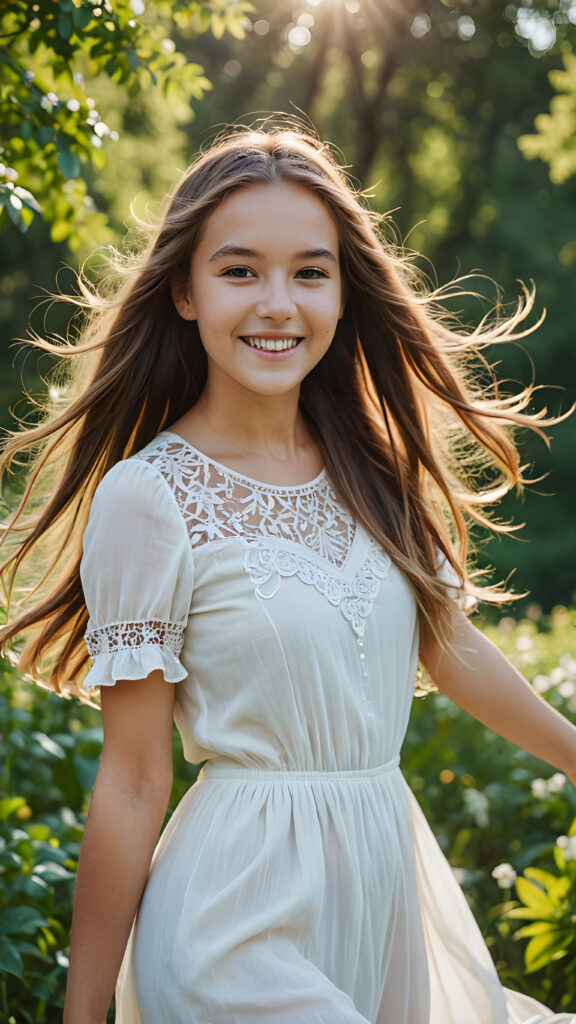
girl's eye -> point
(310, 273)
(244, 273)
(238, 272)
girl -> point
(276, 436)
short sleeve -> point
(137, 575)
(466, 601)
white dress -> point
(297, 882)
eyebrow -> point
(239, 250)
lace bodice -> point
(217, 503)
(301, 530)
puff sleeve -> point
(463, 598)
(137, 575)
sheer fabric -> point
(297, 881)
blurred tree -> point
(52, 130)
(555, 138)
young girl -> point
(276, 437)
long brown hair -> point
(415, 435)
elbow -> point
(150, 784)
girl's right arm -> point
(126, 813)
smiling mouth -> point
(271, 344)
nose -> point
(276, 301)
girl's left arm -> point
(481, 680)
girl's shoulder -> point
(138, 487)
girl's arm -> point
(488, 686)
(126, 813)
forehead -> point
(263, 215)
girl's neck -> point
(268, 441)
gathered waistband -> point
(226, 768)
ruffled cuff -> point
(134, 663)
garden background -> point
(459, 119)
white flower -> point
(557, 675)
(539, 788)
(557, 783)
(73, 105)
(524, 643)
(568, 663)
(541, 683)
(137, 7)
(505, 875)
(568, 845)
(478, 805)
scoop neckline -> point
(242, 476)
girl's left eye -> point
(310, 273)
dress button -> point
(362, 657)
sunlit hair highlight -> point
(415, 435)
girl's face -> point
(265, 288)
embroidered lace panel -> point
(121, 636)
(267, 565)
(218, 504)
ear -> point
(182, 300)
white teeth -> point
(272, 344)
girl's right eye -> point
(239, 272)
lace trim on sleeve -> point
(121, 636)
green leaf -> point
(69, 163)
(21, 921)
(64, 25)
(82, 16)
(28, 199)
(45, 135)
(542, 949)
(544, 878)
(40, 831)
(60, 230)
(49, 746)
(10, 960)
(9, 804)
(538, 928)
(53, 872)
(533, 897)
(86, 770)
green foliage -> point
(549, 901)
(555, 138)
(53, 133)
(49, 759)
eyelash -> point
(229, 272)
